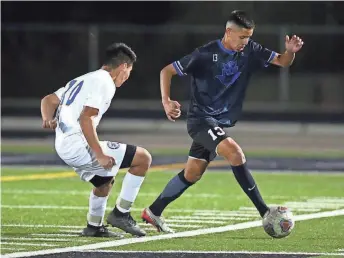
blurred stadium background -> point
(300, 109)
(293, 121)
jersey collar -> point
(232, 52)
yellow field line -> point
(68, 174)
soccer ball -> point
(278, 222)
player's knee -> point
(146, 158)
(192, 176)
(103, 190)
(142, 161)
(237, 158)
(230, 150)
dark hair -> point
(242, 19)
(119, 53)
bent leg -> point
(231, 151)
(193, 171)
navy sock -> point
(247, 183)
(174, 188)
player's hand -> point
(105, 161)
(49, 124)
(172, 109)
(294, 44)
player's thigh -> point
(121, 152)
(142, 158)
(230, 149)
(207, 140)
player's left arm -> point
(292, 45)
(49, 105)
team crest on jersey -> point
(113, 145)
(230, 73)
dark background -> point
(46, 44)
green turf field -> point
(38, 149)
(48, 213)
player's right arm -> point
(89, 131)
(180, 67)
(172, 108)
(49, 105)
(94, 102)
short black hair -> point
(242, 19)
(119, 53)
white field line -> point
(323, 205)
(210, 218)
(226, 213)
(252, 210)
(293, 209)
(11, 248)
(57, 192)
(80, 227)
(213, 221)
(217, 216)
(28, 244)
(171, 225)
(55, 235)
(109, 209)
(191, 233)
(69, 231)
(200, 195)
(38, 239)
(41, 226)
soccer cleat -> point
(156, 221)
(102, 231)
(126, 223)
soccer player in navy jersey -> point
(220, 72)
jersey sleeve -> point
(187, 64)
(263, 56)
(59, 92)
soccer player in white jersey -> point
(79, 107)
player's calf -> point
(97, 206)
(120, 216)
(173, 190)
(230, 150)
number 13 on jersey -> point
(217, 130)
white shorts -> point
(75, 152)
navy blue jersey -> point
(219, 78)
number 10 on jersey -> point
(73, 90)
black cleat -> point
(125, 222)
(102, 231)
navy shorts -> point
(206, 135)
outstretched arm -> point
(292, 46)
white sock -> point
(130, 188)
(96, 210)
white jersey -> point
(95, 89)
